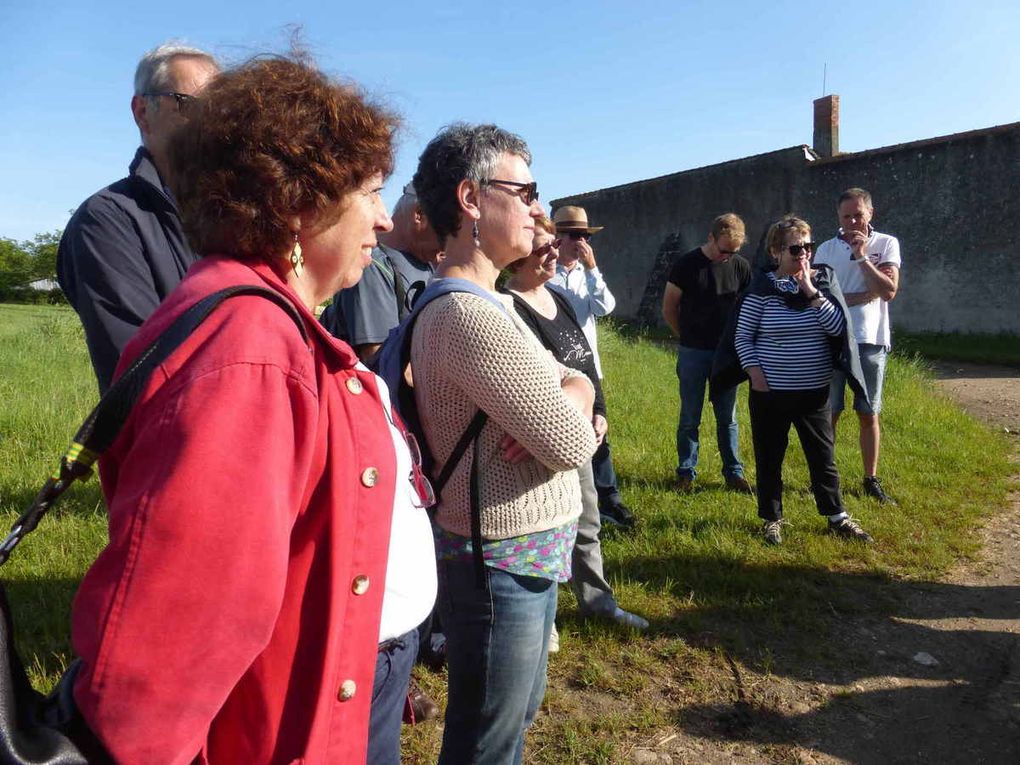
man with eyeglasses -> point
(402, 266)
(867, 265)
(124, 249)
(579, 279)
(700, 293)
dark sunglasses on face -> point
(575, 235)
(528, 192)
(728, 253)
(545, 249)
(184, 101)
(797, 249)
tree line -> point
(26, 263)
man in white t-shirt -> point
(867, 265)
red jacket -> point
(234, 614)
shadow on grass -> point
(41, 609)
(809, 625)
(80, 499)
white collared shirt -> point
(589, 296)
(870, 320)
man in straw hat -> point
(579, 278)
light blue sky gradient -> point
(604, 93)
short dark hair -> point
(459, 152)
(855, 193)
(268, 140)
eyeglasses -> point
(528, 192)
(184, 101)
(422, 486)
(576, 235)
(728, 253)
(546, 248)
(797, 249)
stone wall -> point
(953, 202)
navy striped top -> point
(791, 347)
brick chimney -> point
(826, 139)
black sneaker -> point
(618, 515)
(772, 531)
(421, 705)
(873, 488)
(848, 528)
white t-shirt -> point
(870, 320)
(411, 564)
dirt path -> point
(936, 682)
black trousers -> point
(772, 414)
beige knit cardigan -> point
(467, 354)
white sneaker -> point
(554, 639)
(627, 619)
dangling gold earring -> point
(297, 261)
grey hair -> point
(459, 152)
(152, 74)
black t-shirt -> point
(709, 290)
(563, 336)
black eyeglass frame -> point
(528, 192)
(795, 249)
(184, 101)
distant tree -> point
(43, 251)
(22, 263)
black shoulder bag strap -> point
(102, 426)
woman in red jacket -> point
(235, 614)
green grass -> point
(719, 600)
(959, 346)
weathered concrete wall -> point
(953, 202)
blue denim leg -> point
(497, 639)
(693, 366)
(392, 674)
(725, 407)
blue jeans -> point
(693, 367)
(497, 640)
(392, 675)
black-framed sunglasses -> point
(797, 249)
(528, 192)
(728, 253)
(576, 235)
(184, 101)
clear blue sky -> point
(604, 93)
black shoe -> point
(618, 515)
(848, 528)
(422, 706)
(739, 484)
(684, 484)
(873, 488)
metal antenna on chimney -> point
(825, 67)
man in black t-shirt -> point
(702, 288)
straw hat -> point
(571, 218)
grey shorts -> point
(873, 365)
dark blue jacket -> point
(122, 253)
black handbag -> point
(38, 730)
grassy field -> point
(980, 349)
(718, 599)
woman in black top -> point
(552, 320)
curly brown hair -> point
(269, 140)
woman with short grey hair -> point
(508, 515)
